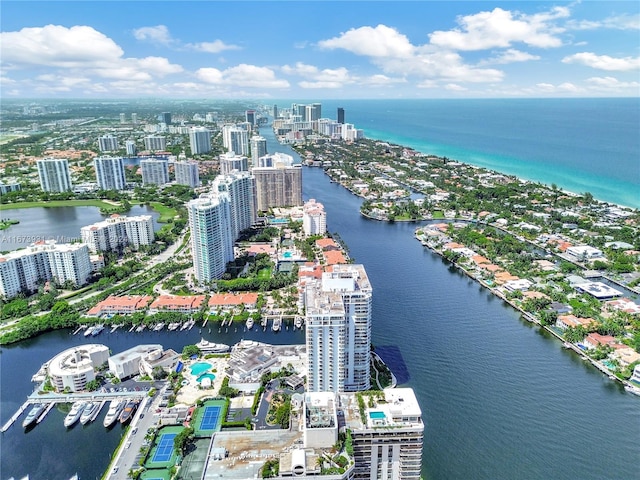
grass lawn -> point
(58, 203)
(438, 214)
(166, 213)
(264, 273)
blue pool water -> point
(210, 376)
(287, 255)
(200, 367)
(376, 415)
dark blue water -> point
(500, 398)
(62, 224)
(580, 145)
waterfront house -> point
(623, 305)
(593, 340)
(228, 301)
(626, 355)
(521, 284)
(174, 303)
(571, 321)
(124, 305)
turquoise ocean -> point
(580, 145)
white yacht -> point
(74, 414)
(89, 410)
(33, 414)
(209, 347)
(115, 407)
(249, 323)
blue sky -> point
(319, 49)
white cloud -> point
(509, 56)
(380, 41)
(603, 62)
(242, 75)
(158, 34)
(455, 87)
(382, 80)
(216, 46)
(619, 22)
(323, 84)
(502, 28)
(57, 46)
(612, 84)
(566, 87)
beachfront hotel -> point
(110, 173)
(117, 232)
(26, 269)
(338, 330)
(73, 368)
(54, 174)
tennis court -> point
(164, 450)
(210, 417)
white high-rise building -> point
(258, 148)
(200, 140)
(240, 187)
(278, 182)
(338, 330)
(211, 235)
(118, 232)
(27, 268)
(387, 442)
(187, 173)
(134, 118)
(130, 145)
(123, 119)
(54, 174)
(108, 143)
(314, 218)
(110, 173)
(235, 139)
(155, 171)
(230, 161)
(155, 143)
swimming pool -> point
(200, 367)
(287, 255)
(210, 376)
(376, 415)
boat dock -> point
(52, 399)
(15, 416)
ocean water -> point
(580, 145)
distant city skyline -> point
(321, 50)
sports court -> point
(208, 418)
(164, 448)
(162, 453)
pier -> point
(44, 414)
(15, 416)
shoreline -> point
(532, 319)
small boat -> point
(158, 327)
(173, 326)
(33, 414)
(297, 322)
(115, 408)
(249, 323)
(87, 413)
(277, 323)
(74, 477)
(128, 411)
(97, 330)
(566, 345)
(632, 389)
(88, 331)
(74, 414)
